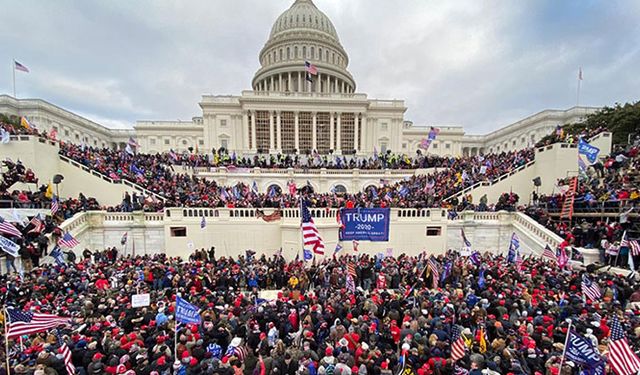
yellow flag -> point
(483, 342)
(49, 192)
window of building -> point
(178, 231)
(223, 123)
(166, 141)
(66, 132)
(201, 142)
(383, 147)
(224, 143)
(404, 146)
(152, 141)
(347, 128)
(447, 146)
(434, 145)
(434, 231)
(262, 131)
(95, 143)
(184, 142)
(280, 54)
(339, 189)
(305, 124)
(313, 53)
(514, 142)
(323, 132)
(288, 137)
(384, 126)
(304, 52)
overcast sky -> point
(478, 64)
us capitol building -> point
(286, 113)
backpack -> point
(330, 369)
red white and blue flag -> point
(310, 68)
(55, 205)
(310, 233)
(622, 359)
(68, 240)
(20, 67)
(25, 322)
(8, 228)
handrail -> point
(123, 181)
(492, 182)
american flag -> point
(55, 205)
(20, 67)
(37, 223)
(563, 259)
(465, 242)
(123, 240)
(621, 357)
(634, 247)
(435, 273)
(8, 228)
(66, 355)
(310, 68)
(549, 254)
(26, 323)
(351, 285)
(351, 270)
(355, 245)
(590, 289)
(310, 234)
(203, 223)
(68, 241)
(237, 351)
(457, 343)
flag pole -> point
(564, 350)
(579, 84)
(6, 338)
(13, 66)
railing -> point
(584, 209)
(534, 228)
(224, 171)
(109, 179)
(28, 205)
(492, 182)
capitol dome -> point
(303, 33)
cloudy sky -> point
(479, 64)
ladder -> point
(569, 199)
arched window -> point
(280, 54)
(333, 58)
(319, 53)
(295, 52)
(326, 56)
(304, 52)
(339, 189)
(274, 188)
(288, 53)
(313, 56)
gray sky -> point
(479, 64)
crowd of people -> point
(609, 187)
(397, 315)
(156, 173)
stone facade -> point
(288, 110)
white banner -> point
(140, 300)
(9, 246)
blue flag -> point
(591, 152)
(481, 280)
(475, 258)
(513, 248)
(56, 254)
(186, 312)
(308, 255)
(203, 223)
(581, 351)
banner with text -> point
(365, 224)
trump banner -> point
(186, 312)
(591, 152)
(365, 224)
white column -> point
(363, 131)
(331, 131)
(280, 82)
(289, 85)
(296, 133)
(279, 132)
(335, 85)
(355, 131)
(338, 144)
(253, 132)
(299, 83)
(271, 135)
(327, 88)
(314, 134)
(318, 82)
(245, 131)
(342, 87)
